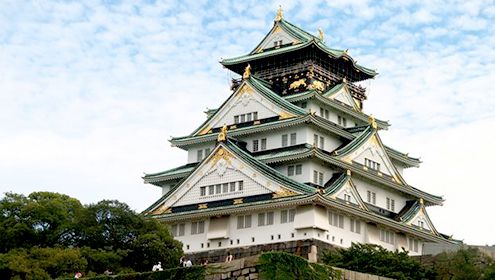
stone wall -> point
(309, 249)
(246, 269)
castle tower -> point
(291, 156)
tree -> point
(466, 263)
(374, 259)
(41, 219)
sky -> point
(91, 91)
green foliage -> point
(467, 263)
(48, 235)
(374, 259)
(284, 266)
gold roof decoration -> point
(372, 121)
(421, 201)
(348, 172)
(222, 136)
(247, 72)
(321, 34)
(279, 13)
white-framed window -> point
(317, 178)
(256, 145)
(371, 197)
(277, 44)
(251, 116)
(243, 221)
(372, 164)
(342, 121)
(355, 226)
(319, 141)
(335, 219)
(223, 188)
(178, 230)
(285, 140)
(421, 224)
(347, 197)
(197, 227)
(324, 113)
(287, 216)
(293, 139)
(265, 219)
(387, 236)
(322, 142)
(202, 153)
(315, 140)
(294, 170)
(413, 244)
(390, 204)
(263, 144)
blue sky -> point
(90, 91)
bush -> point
(179, 273)
(285, 266)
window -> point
(287, 216)
(372, 164)
(265, 219)
(251, 116)
(342, 121)
(318, 178)
(421, 224)
(290, 170)
(322, 142)
(336, 220)
(322, 112)
(355, 226)
(243, 221)
(197, 227)
(318, 141)
(298, 169)
(223, 188)
(390, 204)
(199, 156)
(263, 144)
(413, 244)
(347, 197)
(315, 140)
(387, 236)
(178, 229)
(255, 145)
(293, 138)
(371, 197)
(327, 114)
(284, 140)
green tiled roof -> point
(261, 167)
(356, 143)
(334, 104)
(337, 184)
(171, 174)
(306, 39)
(404, 158)
(263, 88)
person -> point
(182, 261)
(107, 272)
(229, 257)
(188, 263)
(77, 275)
(157, 267)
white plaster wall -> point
(274, 137)
(275, 37)
(381, 194)
(192, 152)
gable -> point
(421, 220)
(218, 171)
(347, 192)
(276, 37)
(344, 96)
(247, 104)
(371, 154)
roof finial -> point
(247, 72)
(348, 172)
(279, 13)
(222, 136)
(421, 201)
(372, 121)
(320, 34)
